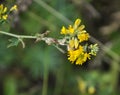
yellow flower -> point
(13, 8)
(81, 27)
(74, 54)
(63, 30)
(78, 52)
(77, 23)
(82, 86)
(3, 11)
(91, 90)
(70, 29)
(85, 57)
(73, 43)
(82, 58)
(5, 17)
(83, 36)
(1, 8)
(79, 61)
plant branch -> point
(18, 36)
(39, 37)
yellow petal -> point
(5, 10)
(71, 30)
(1, 7)
(83, 37)
(76, 43)
(13, 8)
(77, 22)
(79, 61)
(71, 43)
(81, 27)
(5, 17)
(63, 30)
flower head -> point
(73, 43)
(70, 29)
(93, 49)
(13, 8)
(4, 11)
(63, 30)
(91, 90)
(5, 17)
(76, 23)
(76, 38)
(84, 36)
(75, 54)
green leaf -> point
(13, 42)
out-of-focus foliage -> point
(25, 71)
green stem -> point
(59, 81)
(114, 73)
(45, 77)
(61, 50)
(18, 36)
(53, 11)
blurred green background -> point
(40, 69)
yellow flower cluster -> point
(4, 11)
(85, 88)
(76, 38)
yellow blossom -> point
(76, 43)
(81, 27)
(3, 11)
(83, 37)
(91, 90)
(77, 23)
(78, 56)
(82, 58)
(71, 29)
(73, 43)
(85, 57)
(13, 8)
(79, 61)
(75, 54)
(82, 85)
(1, 7)
(79, 51)
(5, 17)
(63, 30)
